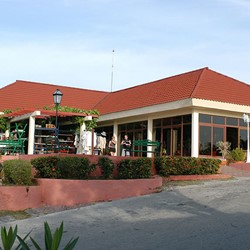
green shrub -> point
(73, 167)
(46, 166)
(166, 166)
(238, 154)
(107, 166)
(17, 172)
(134, 169)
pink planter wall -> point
(20, 198)
(70, 192)
(54, 192)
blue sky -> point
(70, 42)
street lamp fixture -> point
(247, 119)
(57, 95)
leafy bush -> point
(73, 167)
(107, 166)
(166, 166)
(52, 242)
(134, 169)
(17, 172)
(46, 166)
(238, 154)
(69, 167)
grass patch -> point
(18, 215)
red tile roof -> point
(26, 95)
(202, 84)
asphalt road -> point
(210, 215)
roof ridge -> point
(161, 79)
(57, 85)
(198, 82)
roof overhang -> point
(189, 103)
(25, 114)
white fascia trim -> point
(25, 116)
(201, 103)
(147, 110)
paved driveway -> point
(208, 215)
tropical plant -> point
(223, 148)
(107, 166)
(238, 154)
(52, 242)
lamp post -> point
(246, 119)
(57, 95)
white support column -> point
(115, 134)
(195, 135)
(150, 135)
(31, 138)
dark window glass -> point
(218, 135)
(205, 118)
(232, 121)
(242, 123)
(243, 139)
(218, 120)
(157, 123)
(122, 127)
(187, 118)
(177, 120)
(186, 140)
(166, 121)
(205, 140)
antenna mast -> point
(112, 71)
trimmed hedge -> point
(68, 167)
(17, 172)
(134, 169)
(75, 168)
(166, 166)
(107, 167)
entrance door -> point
(232, 136)
(172, 141)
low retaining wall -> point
(70, 192)
(16, 198)
(54, 192)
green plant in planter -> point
(238, 154)
(107, 166)
(223, 148)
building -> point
(187, 113)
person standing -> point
(112, 146)
(126, 145)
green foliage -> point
(223, 148)
(69, 167)
(89, 124)
(166, 166)
(8, 237)
(46, 166)
(52, 242)
(238, 154)
(107, 166)
(4, 121)
(73, 167)
(134, 168)
(17, 172)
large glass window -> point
(205, 118)
(186, 140)
(243, 139)
(205, 140)
(218, 135)
(218, 120)
(174, 133)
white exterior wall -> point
(31, 141)
(150, 135)
(195, 135)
